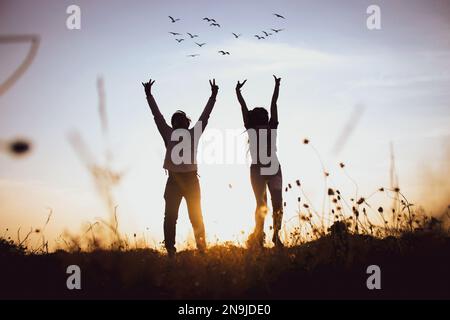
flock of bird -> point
(214, 24)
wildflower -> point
(342, 165)
(305, 141)
(380, 209)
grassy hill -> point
(413, 265)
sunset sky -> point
(329, 62)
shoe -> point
(171, 252)
(277, 242)
(256, 240)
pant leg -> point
(259, 185)
(275, 184)
(192, 195)
(172, 196)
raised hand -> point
(277, 80)
(148, 87)
(239, 85)
(214, 87)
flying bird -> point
(215, 24)
(267, 34)
(192, 55)
(200, 44)
(209, 19)
(192, 35)
(173, 19)
(259, 37)
(179, 40)
(279, 16)
(236, 35)
(277, 30)
(224, 52)
(175, 33)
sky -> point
(396, 80)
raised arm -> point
(203, 120)
(273, 105)
(161, 123)
(241, 100)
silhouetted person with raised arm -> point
(180, 162)
(265, 170)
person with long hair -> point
(265, 170)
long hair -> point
(258, 117)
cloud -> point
(402, 81)
(264, 55)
